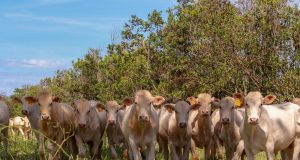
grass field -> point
(27, 150)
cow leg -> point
(164, 147)
(270, 150)
(94, 149)
(41, 146)
(4, 137)
(151, 151)
(174, 152)
(193, 150)
(80, 146)
(186, 150)
(207, 150)
(113, 150)
(22, 132)
(134, 149)
(296, 149)
(239, 150)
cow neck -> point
(231, 130)
(135, 125)
(34, 117)
(93, 120)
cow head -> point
(143, 102)
(27, 103)
(82, 110)
(226, 106)
(112, 108)
(45, 100)
(181, 110)
(205, 100)
(253, 103)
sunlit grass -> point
(20, 149)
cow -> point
(21, 125)
(140, 124)
(269, 128)
(217, 142)
(57, 123)
(89, 131)
(296, 101)
(114, 133)
(31, 109)
(175, 130)
(231, 118)
(202, 127)
(4, 122)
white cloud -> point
(30, 63)
(93, 23)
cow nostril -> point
(182, 124)
(24, 112)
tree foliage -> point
(213, 46)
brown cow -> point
(4, 122)
(175, 130)
(140, 124)
(202, 127)
(115, 115)
(31, 109)
(231, 118)
(57, 122)
(90, 130)
(296, 101)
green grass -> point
(27, 150)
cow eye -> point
(232, 107)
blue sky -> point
(38, 37)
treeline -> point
(214, 46)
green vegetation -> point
(27, 150)
(210, 46)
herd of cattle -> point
(244, 125)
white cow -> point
(269, 128)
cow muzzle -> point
(225, 120)
(143, 118)
(204, 113)
(111, 122)
(253, 121)
(45, 117)
(82, 125)
(24, 112)
(182, 124)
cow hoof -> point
(125, 154)
(196, 158)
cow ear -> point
(30, 100)
(215, 104)
(238, 100)
(17, 100)
(100, 107)
(296, 101)
(195, 106)
(158, 100)
(192, 100)
(128, 101)
(56, 99)
(269, 99)
(170, 107)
